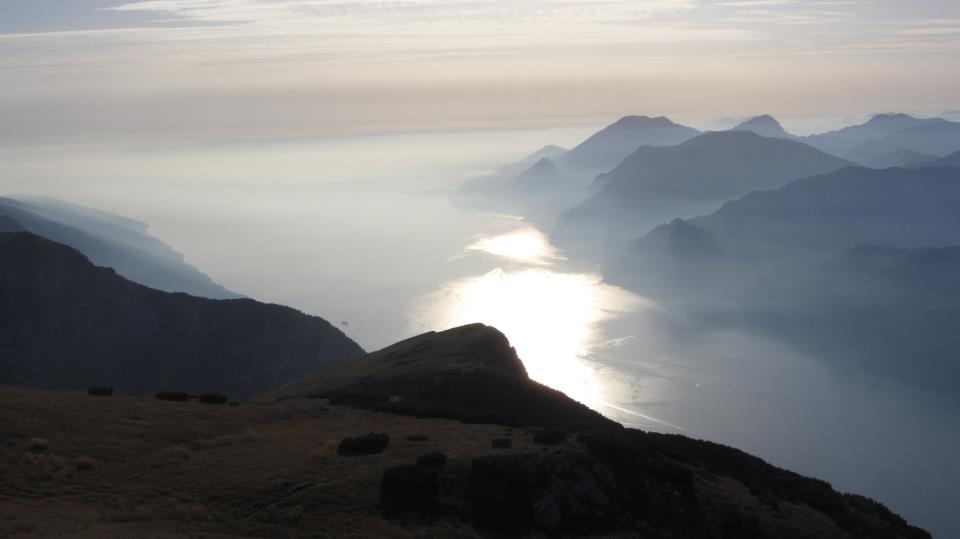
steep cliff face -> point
(67, 324)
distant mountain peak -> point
(888, 116)
(543, 166)
(897, 120)
(550, 149)
(764, 125)
(644, 121)
(606, 148)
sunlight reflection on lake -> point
(527, 245)
(550, 317)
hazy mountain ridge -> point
(542, 189)
(654, 185)
(67, 324)
(841, 142)
(115, 242)
(935, 139)
(794, 261)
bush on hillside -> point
(550, 437)
(100, 391)
(368, 444)
(177, 396)
(502, 443)
(212, 398)
(434, 459)
(501, 493)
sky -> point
(76, 71)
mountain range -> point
(112, 241)
(858, 266)
(68, 324)
(659, 183)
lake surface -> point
(361, 231)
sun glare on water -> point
(550, 317)
(527, 245)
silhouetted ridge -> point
(67, 324)
(842, 141)
(676, 486)
(469, 373)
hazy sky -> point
(82, 70)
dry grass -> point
(139, 467)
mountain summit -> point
(605, 149)
(765, 126)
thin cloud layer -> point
(276, 68)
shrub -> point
(212, 398)
(501, 493)
(434, 459)
(410, 488)
(100, 391)
(737, 525)
(84, 464)
(550, 437)
(417, 438)
(368, 444)
(502, 443)
(177, 396)
(38, 445)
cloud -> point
(402, 11)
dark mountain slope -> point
(621, 480)
(831, 213)
(605, 149)
(712, 166)
(112, 241)
(9, 224)
(67, 324)
(769, 236)
(890, 311)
